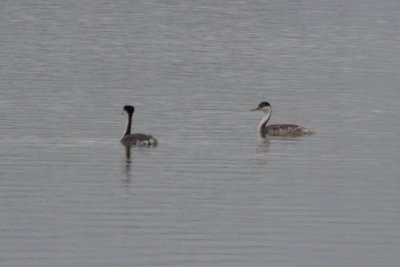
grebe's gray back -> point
(288, 130)
(138, 139)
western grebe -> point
(288, 130)
(138, 139)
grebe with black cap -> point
(286, 130)
(138, 139)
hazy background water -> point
(212, 193)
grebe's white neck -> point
(128, 123)
(263, 123)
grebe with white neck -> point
(136, 139)
(285, 130)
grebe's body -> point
(136, 139)
(139, 139)
(285, 130)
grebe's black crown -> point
(129, 109)
(263, 104)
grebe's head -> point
(129, 109)
(263, 106)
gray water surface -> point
(212, 193)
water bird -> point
(285, 130)
(137, 139)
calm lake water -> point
(212, 193)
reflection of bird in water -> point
(130, 158)
(128, 152)
(138, 139)
(287, 130)
(264, 147)
(128, 162)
